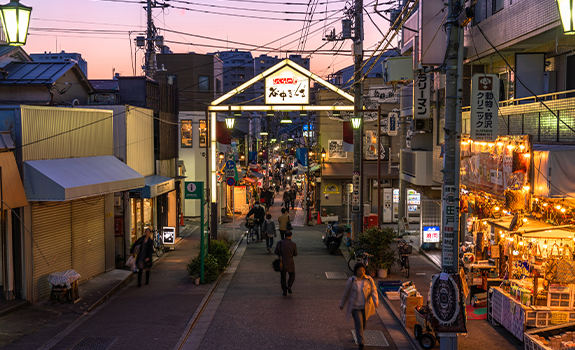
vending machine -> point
(395, 205)
(413, 206)
(387, 205)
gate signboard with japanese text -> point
(287, 86)
(484, 107)
(448, 227)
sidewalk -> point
(31, 326)
(478, 331)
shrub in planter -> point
(220, 250)
(377, 242)
(211, 268)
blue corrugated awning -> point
(156, 185)
(256, 174)
(72, 178)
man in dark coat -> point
(143, 249)
(286, 199)
(259, 214)
(287, 250)
(293, 197)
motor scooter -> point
(334, 236)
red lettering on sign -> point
(285, 81)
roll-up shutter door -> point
(88, 237)
(52, 246)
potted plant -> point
(377, 242)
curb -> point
(14, 308)
(422, 252)
(200, 309)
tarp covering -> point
(553, 167)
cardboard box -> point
(412, 302)
(410, 321)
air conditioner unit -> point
(384, 183)
(398, 69)
(417, 167)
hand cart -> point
(423, 330)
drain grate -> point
(372, 338)
(94, 343)
(336, 275)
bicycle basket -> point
(406, 249)
(250, 223)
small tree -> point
(377, 242)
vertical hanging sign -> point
(392, 120)
(448, 227)
(422, 97)
(484, 107)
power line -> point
(247, 9)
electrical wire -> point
(248, 9)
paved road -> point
(252, 313)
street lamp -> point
(323, 154)
(286, 120)
(356, 122)
(15, 21)
(230, 122)
(221, 155)
(566, 14)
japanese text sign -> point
(448, 226)
(392, 121)
(430, 234)
(287, 86)
(484, 107)
(422, 97)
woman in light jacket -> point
(361, 297)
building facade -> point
(61, 57)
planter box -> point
(325, 219)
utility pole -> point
(451, 157)
(358, 95)
(152, 40)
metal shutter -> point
(88, 237)
(52, 246)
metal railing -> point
(531, 99)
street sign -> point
(169, 235)
(219, 177)
(231, 181)
(422, 97)
(355, 193)
(484, 107)
(392, 121)
(194, 190)
(230, 164)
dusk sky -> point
(100, 30)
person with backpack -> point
(269, 230)
(283, 221)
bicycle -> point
(158, 243)
(359, 256)
(404, 248)
(252, 233)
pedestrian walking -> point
(292, 197)
(269, 229)
(283, 221)
(143, 250)
(287, 249)
(360, 295)
(259, 214)
(287, 199)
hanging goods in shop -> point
(565, 272)
(444, 299)
(514, 200)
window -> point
(203, 133)
(486, 8)
(204, 83)
(218, 86)
(186, 138)
(171, 79)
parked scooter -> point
(334, 236)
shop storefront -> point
(153, 206)
(72, 204)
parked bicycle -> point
(404, 248)
(359, 256)
(158, 243)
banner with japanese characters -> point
(484, 107)
(422, 97)
(287, 86)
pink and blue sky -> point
(100, 30)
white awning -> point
(73, 178)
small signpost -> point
(231, 181)
(195, 190)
